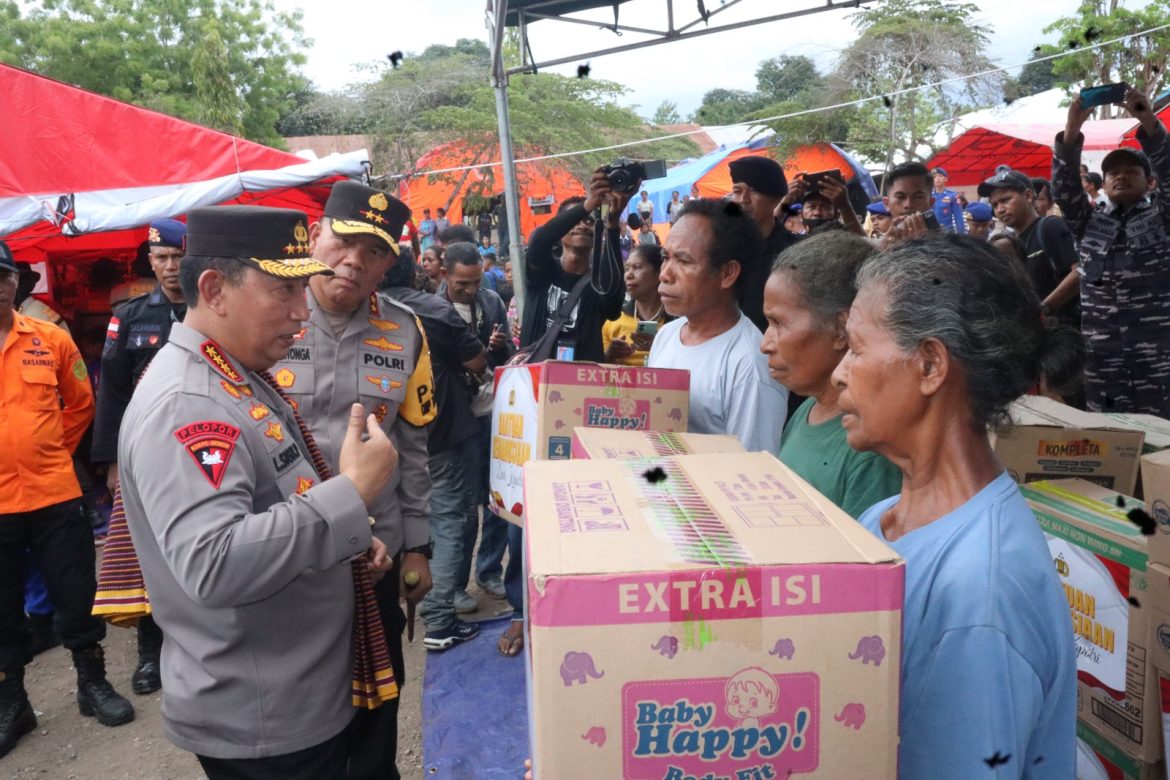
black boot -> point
(147, 678)
(43, 636)
(16, 714)
(95, 695)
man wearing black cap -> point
(138, 329)
(1051, 254)
(758, 185)
(360, 346)
(46, 404)
(948, 207)
(1124, 262)
(244, 539)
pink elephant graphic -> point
(675, 414)
(555, 397)
(559, 424)
(869, 648)
(784, 648)
(852, 715)
(596, 735)
(667, 645)
(578, 667)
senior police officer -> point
(244, 542)
(361, 346)
(138, 329)
(45, 406)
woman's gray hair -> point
(980, 304)
(824, 268)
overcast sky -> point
(344, 51)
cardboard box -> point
(1102, 559)
(609, 444)
(1158, 598)
(538, 406)
(1050, 440)
(727, 621)
(1156, 489)
(1156, 429)
(1099, 759)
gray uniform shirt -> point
(380, 360)
(244, 553)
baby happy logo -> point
(625, 414)
(751, 725)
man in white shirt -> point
(731, 389)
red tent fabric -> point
(973, 155)
(59, 142)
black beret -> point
(762, 174)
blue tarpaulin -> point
(474, 710)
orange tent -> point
(543, 185)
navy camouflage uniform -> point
(1125, 283)
(138, 330)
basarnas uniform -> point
(380, 359)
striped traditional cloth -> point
(122, 599)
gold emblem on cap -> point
(300, 233)
(154, 236)
(378, 201)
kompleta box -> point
(1156, 489)
(618, 445)
(537, 407)
(1102, 559)
(718, 619)
(1099, 759)
(1156, 429)
(1050, 440)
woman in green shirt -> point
(806, 303)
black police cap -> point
(355, 209)
(275, 241)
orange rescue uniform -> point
(46, 403)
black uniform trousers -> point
(61, 543)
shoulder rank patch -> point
(215, 357)
(258, 411)
(285, 378)
(303, 484)
(384, 383)
(230, 389)
(384, 324)
(383, 344)
(210, 444)
(275, 431)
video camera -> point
(625, 176)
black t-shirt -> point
(452, 343)
(1050, 253)
(548, 285)
(755, 277)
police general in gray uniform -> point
(364, 347)
(244, 550)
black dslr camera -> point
(626, 175)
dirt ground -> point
(66, 746)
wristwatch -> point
(426, 550)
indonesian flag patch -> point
(210, 444)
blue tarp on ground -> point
(474, 710)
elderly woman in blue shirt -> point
(944, 333)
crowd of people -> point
(295, 428)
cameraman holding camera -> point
(560, 257)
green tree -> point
(1140, 61)
(907, 45)
(232, 65)
(444, 94)
(787, 78)
(666, 114)
(726, 106)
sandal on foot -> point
(512, 640)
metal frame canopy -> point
(521, 14)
